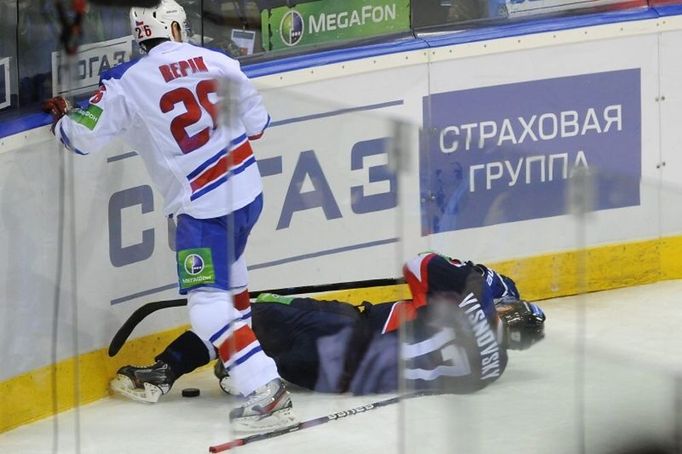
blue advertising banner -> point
(506, 153)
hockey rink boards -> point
(548, 400)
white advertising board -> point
(519, 8)
(333, 210)
(87, 65)
(668, 163)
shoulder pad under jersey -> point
(117, 71)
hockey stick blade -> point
(313, 422)
(127, 328)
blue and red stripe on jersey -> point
(216, 170)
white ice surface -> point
(551, 399)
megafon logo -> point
(194, 264)
(291, 28)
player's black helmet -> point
(524, 323)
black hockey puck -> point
(190, 392)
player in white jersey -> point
(166, 106)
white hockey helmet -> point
(150, 23)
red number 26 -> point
(193, 104)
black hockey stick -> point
(143, 311)
(127, 328)
(314, 422)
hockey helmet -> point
(524, 323)
(150, 23)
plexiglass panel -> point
(480, 264)
(603, 378)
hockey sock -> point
(243, 357)
(243, 304)
(185, 354)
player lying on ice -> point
(458, 325)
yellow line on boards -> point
(29, 397)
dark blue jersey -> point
(451, 338)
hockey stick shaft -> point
(143, 311)
(312, 423)
(127, 328)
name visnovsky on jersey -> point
(485, 338)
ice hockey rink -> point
(602, 380)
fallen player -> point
(456, 330)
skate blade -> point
(277, 420)
(125, 387)
(227, 386)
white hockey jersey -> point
(165, 106)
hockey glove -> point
(57, 107)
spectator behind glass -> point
(38, 35)
(8, 28)
(8, 48)
(221, 17)
(432, 13)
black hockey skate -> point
(267, 408)
(143, 384)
